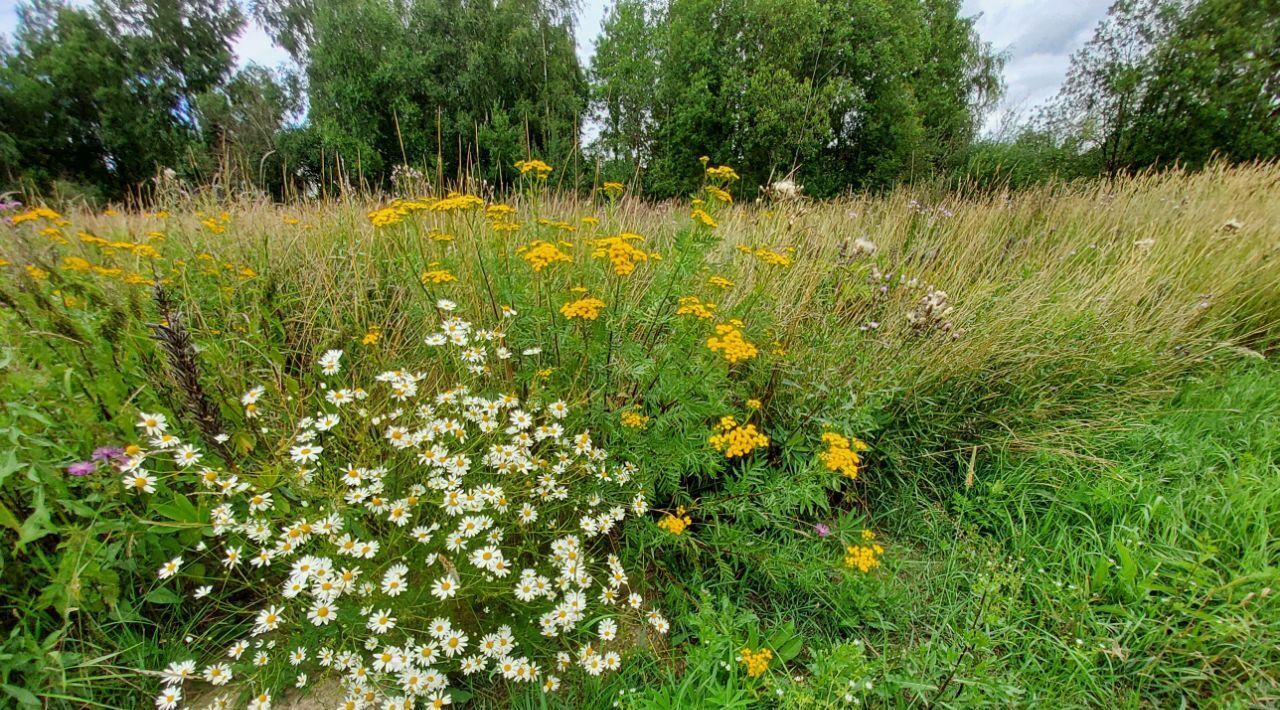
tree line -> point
(101, 99)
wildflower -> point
(154, 424)
(168, 698)
(720, 282)
(140, 482)
(169, 568)
(693, 306)
(587, 308)
(841, 455)
(539, 169)
(675, 523)
(720, 194)
(321, 613)
(701, 215)
(82, 468)
(621, 254)
(865, 557)
(757, 662)
(634, 420)
(380, 622)
(330, 362)
(437, 276)
(734, 439)
(541, 254)
(729, 342)
(723, 173)
(372, 335)
(822, 529)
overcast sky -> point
(1038, 36)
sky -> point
(1038, 37)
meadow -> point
(930, 447)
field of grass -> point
(990, 449)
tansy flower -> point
(587, 308)
(757, 662)
(539, 169)
(734, 439)
(841, 455)
(541, 254)
(675, 523)
(729, 342)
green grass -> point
(1078, 496)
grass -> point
(1071, 416)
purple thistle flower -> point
(82, 468)
(822, 529)
(104, 453)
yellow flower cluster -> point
(841, 455)
(865, 557)
(723, 172)
(769, 256)
(692, 306)
(757, 663)
(539, 169)
(720, 194)
(557, 224)
(586, 307)
(675, 524)
(620, 253)
(633, 419)
(502, 218)
(701, 215)
(386, 216)
(728, 341)
(437, 276)
(720, 282)
(371, 336)
(542, 254)
(734, 439)
(454, 202)
(38, 213)
(613, 189)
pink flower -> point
(822, 529)
(82, 468)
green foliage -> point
(1165, 83)
(108, 95)
(841, 94)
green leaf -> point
(162, 595)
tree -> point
(1175, 81)
(420, 81)
(107, 95)
(842, 92)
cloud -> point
(1038, 37)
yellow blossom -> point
(675, 523)
(756, 662)
(541, 254)
(865, 557)
(720, 194)
(702, 216)
(437, 276)
(729, 342)
(587, 308)
(633, 419)
(539, 169)
(841, 455)
(720, 282)
(692, 306)
(734, 439)
(620, 253)
(372, 335)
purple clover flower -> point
(822, 529)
